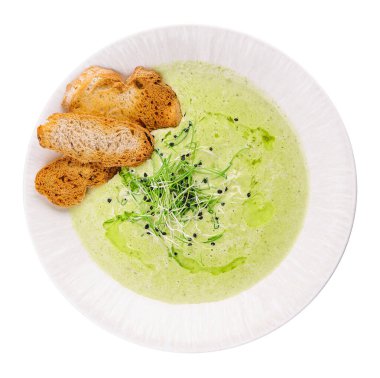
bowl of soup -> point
(237, 220)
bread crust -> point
(64, 181)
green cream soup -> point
(217, 207)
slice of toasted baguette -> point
(64, 181)
(92, 79)
(142, 98)
(109, 142)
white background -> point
(337, 335)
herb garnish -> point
(175, 194)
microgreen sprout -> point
(214, 238)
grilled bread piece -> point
(64, 181)
(109, 142)
(142, 98)
(92, 78)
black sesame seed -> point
(175, 253)
(200, 213)
(249, 194)
(163, 233)
(212, 243)
(220, 191)
(151, 207)
(146, 226)
(210, 148)
(223, 203)
(148, 233)
(145, 174)
(201, 217)
(188, 154)
(194, 235)
(171, 144)
(200, 163)
(195, 165)
(183, 157)
(236, 119)
(175, 136)
(205, 180)
(189, 244)
(109, 200)
(226, 188)
(216, 218)
(145, 198)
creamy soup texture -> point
(218, 206)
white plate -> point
(279, 296)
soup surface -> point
(218, 206)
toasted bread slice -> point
(64, 181)
(93, 78)
(142, 98)
(109, 142)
